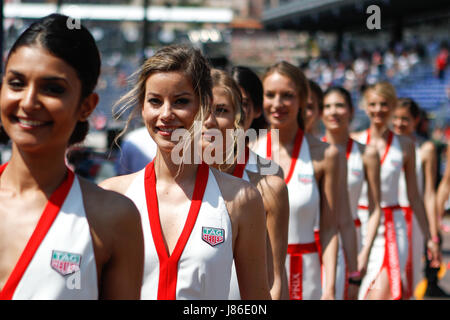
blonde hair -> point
(383, 89)
(223, 80)
(172, 58)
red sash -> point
(408, 213)
(168, 265)
(49, 214)
(349, 145)
(295, 152)
(391, 260)
(296, 252)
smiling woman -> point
(192, 215)
(47, 212)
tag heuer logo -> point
(213, 236)
(305, 178)
(65, 262)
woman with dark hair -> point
(405, 120)
(196, 219)
(387, 260)
(252, 97)
(362, 167)
(311, 171)
(55, 224)
(313, 109)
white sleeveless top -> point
(204, 269)
(63, 266)
(390, 170)
(304, 198)
(402, 193)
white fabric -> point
(69, 233)
(204, 271)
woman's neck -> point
(378, 132)
(339, 137)
(27, 172)
(166, 169)
(287, 133)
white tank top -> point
(391, 167)
(402, 193)
(304, 199)
(63, 266)
(204, 267)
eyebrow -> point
(184, 93)
(49, 78)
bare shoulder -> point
(357, 135)
(119, 184)
(239, 195)
(269, 164)
(428, 147)
(406, 143)
(317, 147)
(108, 212)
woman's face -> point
(249, 109)
(312, 112)
(281, 100)
(403, 122)
(378, 108)
(40, 99)
(221, 118)
(170, 103)
(336, 112)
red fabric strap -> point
(296, 252)
(408, 213)
(388, 145)
(168, 265)
(49, 214)
(295, 152)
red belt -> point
(391, 260)
(296, 252)
(408, 213)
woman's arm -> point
(415, 200)
(429, 158)
(250, 244)
(276, 203)
(371, 161)
(329, 189)
(346, 226)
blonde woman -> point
(385, 277)
(195, 219)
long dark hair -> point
(75, 46)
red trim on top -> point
(388, 146)
(168, 265)
(408, 213)
(295, 152)
(349, 145)
(49, 214)
(296, 252)
(239, 168)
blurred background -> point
(331, 40)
